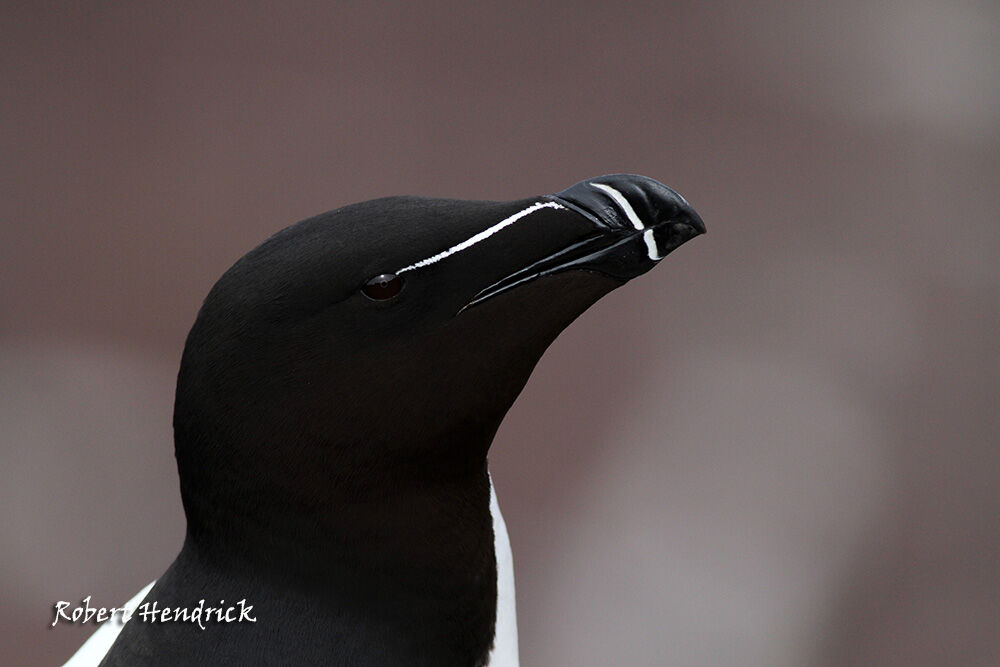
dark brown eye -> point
(384, 286)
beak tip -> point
(696, 223)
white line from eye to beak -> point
(622, 204)
(481, 236)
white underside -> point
(504, 653)
(95, 648)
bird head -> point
(378, 346)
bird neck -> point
(294, 625)
(417, 560)
(333, 535)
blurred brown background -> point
(779, 448)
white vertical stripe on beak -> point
(652, 250)
(623, 204)
(647, 235)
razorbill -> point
(336, 400)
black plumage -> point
(336, 400)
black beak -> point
(638, 222)
(631, 207)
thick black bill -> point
(638, 222)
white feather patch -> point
(95, 648)
(504, 653)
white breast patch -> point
(95, 648)
(504, 653)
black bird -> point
(337, 397)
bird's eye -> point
(383, 286)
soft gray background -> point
(779, 448)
